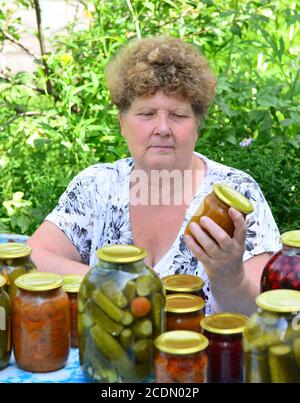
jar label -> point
(2, 318)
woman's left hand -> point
(221, 255)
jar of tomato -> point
(225, 351)
(14, 261)
(184, 312)
(216, 206)
(41, 322)
(5, 325)
(71, 287)
(283, 268)
(180, 357)
(184, 283)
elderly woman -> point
(162, 88)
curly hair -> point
(147, 65)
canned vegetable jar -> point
(184, 283)
(184, 312)
(5, 325)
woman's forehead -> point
(161, 99)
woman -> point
(162, 88)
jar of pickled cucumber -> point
(71, 287)
(121, 311)
(184, 312)
(14, 262)
(283, 268)
(272, 339)
(225, 350)
(216, 206)
(5, 325)
(184, 283)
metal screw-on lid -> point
(13, 250)
(183, 283)
(181, 342)
(279, 300)
(72, 282)
(291, 238)
(224, 323)
(121, 253)
(233, 198)
(39, 281)
(2, 281)
(184, 303)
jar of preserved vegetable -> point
(121, 311)
(41, 322)
(184, 283)
(71, 287)
(180, 357)
(283, 268)
(216, 206)
(5, 325)
(272, 339)
(14, 261)
(184, 312)
(225, 350)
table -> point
(71, 373)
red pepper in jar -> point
(184, 312)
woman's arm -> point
(52, 251)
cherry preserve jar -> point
(283, 269)
(184, 283)
(225, 351)
(184, 312)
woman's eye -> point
(177, 115)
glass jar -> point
(71, 287)
(184, 283)
(283, 268)
(121, 311)
(216, 206)
(184, 312)
(225, 350)
(180, 357)
(5, 325)
(272, 339)
(14, 261)
(41, 322)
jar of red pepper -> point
(184, 284)
(71, 287)
(225, 351)
(283, 268)
(180, 357)
(184, 312)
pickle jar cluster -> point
(5, 325)
(184, 284)
(121, 311)
(184, 312)
(272, 339)
(216, 205)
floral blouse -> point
(94, 212)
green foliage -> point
(48, 137)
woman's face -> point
(161, 132)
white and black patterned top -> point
(94, 212)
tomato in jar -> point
(184, 312)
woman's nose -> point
(162, 126)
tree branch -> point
(10, 80)
(19, 44)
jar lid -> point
(39, 281)
(224, 323)
(2, 281)
(233, 198)
(183, 283)
(184, 303)
(279, 300)
(121, 253)
(181, 342)
(12, 250)
(72, 282)
(291, 238)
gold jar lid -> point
(2, 281)
(39, 281)
(181, 342)
(291, 238)
(12, 250)
(184, 303)
(72, 282)
(121, 253)
(183, 283)
(279, 300)
(233, 198)
(225, 323)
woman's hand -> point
(221, 255)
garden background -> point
(58, 119)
